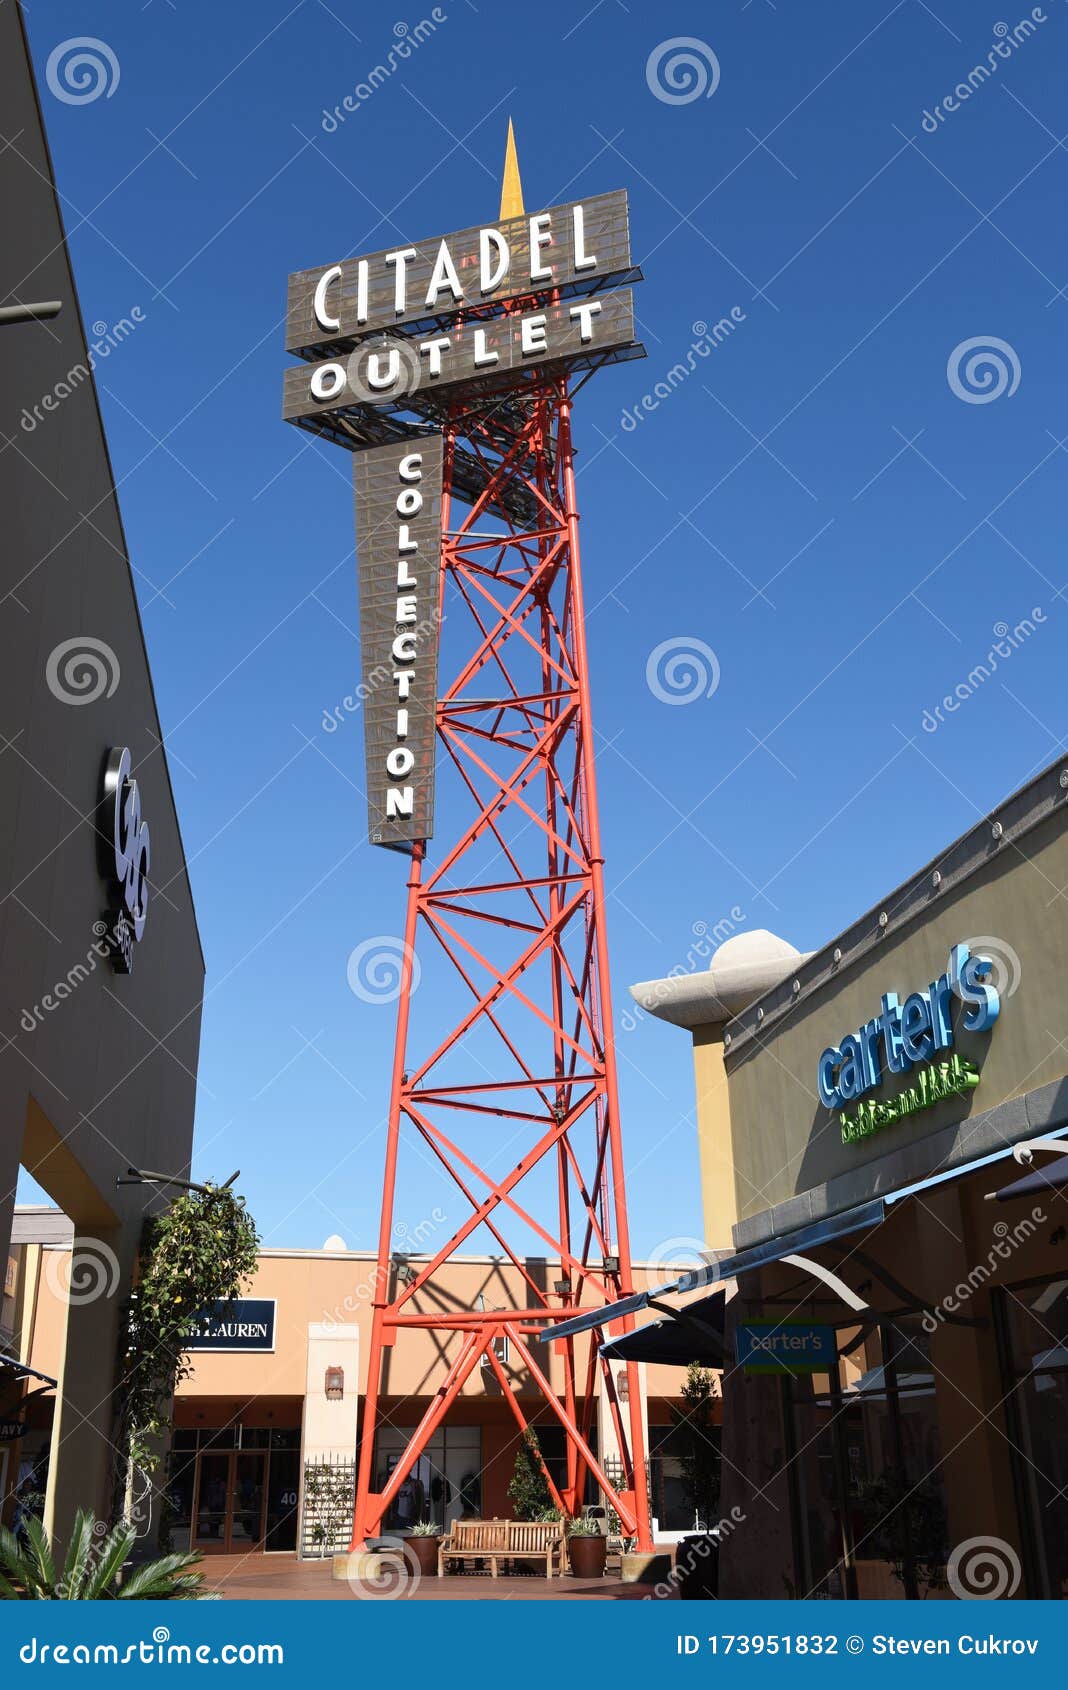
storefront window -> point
(444, 1485)
(672, 1502)
(871, 1515)
(1035, 1322)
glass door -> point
(230, 1500)
(246, 1500)
(213, 1492)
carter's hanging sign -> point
(904, 1036)
(398, 546)
(124, 855)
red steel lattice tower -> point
(514, 722)
(504, 1074)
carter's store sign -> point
(901, 1037)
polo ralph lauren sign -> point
(247, 1323)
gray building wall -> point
(107, 1076)
(1000, 886)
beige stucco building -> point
(266, 1428)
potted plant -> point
(587, 1548)
(696, 1442)
(421, 1544)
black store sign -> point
(245, 1324)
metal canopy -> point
(678, 1337)
(859, 1219)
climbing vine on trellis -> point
(200, 1250)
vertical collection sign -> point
(398, 529)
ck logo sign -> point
(125, 857)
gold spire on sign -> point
(511, 186)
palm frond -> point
(38, 1554)
(112, 1553)
(12, 1557)
(78, 1564)
(160, 1578)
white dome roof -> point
(742, 970)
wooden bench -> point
(503, 1540)
(529, 1540)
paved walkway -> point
(243, 1578)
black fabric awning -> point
(678, 1337)
(21, 1371)
(1053, 1177)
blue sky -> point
(817, 503)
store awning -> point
(1053, 1177)
(805, 1238)
(21, 1371)
(677, 1337)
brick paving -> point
(282, 1578)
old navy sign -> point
(565, 249)
(398, 532)
(247, 1323)
(902, 1035)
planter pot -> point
(697, 1568)
(587, 1556)
(424, 1552)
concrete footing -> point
(645, 1568)
(362, 1564)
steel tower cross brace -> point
(513, 912)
